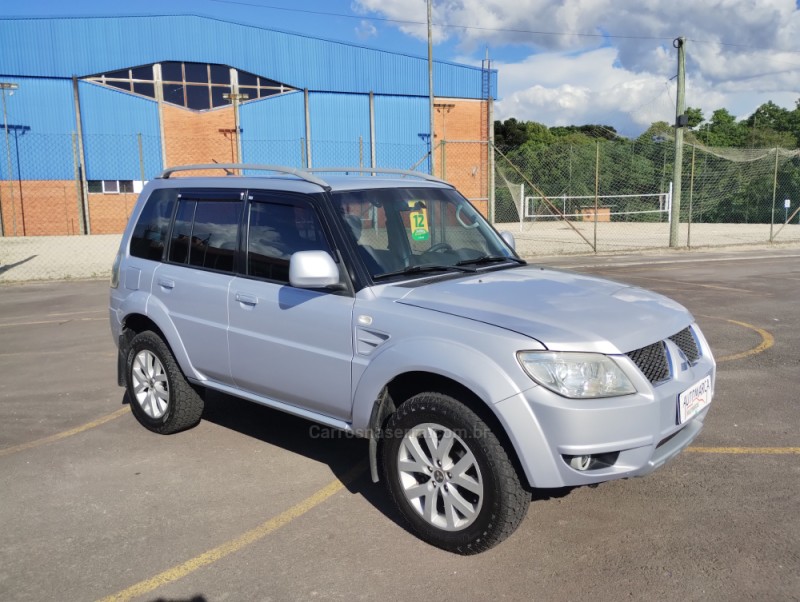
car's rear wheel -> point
(449, 475)
(160, 396)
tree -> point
(723, 130)
(510, 133)
(769, 116)
(771, 125)
(603, 132)
(695, 116)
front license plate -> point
(694, 399)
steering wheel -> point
(440, 247)
(461, 221)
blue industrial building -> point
(108, 80)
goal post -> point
(653, 207)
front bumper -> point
(567, 442)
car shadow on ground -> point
(339, 450)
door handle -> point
(165, 283)
(246, 299)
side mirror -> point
(509, 238)
(312, 269)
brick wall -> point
(194, 137)
(41, 208)
(109, 213)
(50, 208)
(463, 161)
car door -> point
(192, 285)
(289, 344)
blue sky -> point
(560, 62)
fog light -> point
(580, 462)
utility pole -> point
(10, 87)
(680, 123)
(235, 98)
(430, 81)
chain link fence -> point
(613, 196)
(49, 202)
(609, 196)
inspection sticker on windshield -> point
(694, 399)
(419, 221)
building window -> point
(195, 86)
(112, 186)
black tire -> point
(183, 405)
(502, 502)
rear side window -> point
(275, 231)
(205, 233)
(150, 233)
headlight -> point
(576, 375)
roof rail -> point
(374, 170)
(299, 173)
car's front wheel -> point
(449, 475)
(160, 396)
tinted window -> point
(216, 96)
(197, 97)
(173, 93)
(247, 79)
(142, 72)
(220, 74)
(276, 231)
(182, 232)
(251, 92)
(121, 74)
(145, 89)
(121, 85)
(214, 235)
(150, 232)
(196, 72)
(171, 72)
(205, 234)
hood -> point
(562, 310)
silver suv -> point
(387, 307)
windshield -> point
(404, 231)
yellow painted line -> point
(76, 313)
(767, 341)
(723, 288)
(745, 450)
(64, 434)
(57, 352)
(179, 571)
(697, 284)
(67, 321)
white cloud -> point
(740, 53)
(365, 30)
(602, 93)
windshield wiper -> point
(427, 267)
(491, 259)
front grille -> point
(686, 343)
(652, 361)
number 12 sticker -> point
(419, 224)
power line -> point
(442, 25)
(492, 29)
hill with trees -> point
(732, 168)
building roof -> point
(63, 47)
